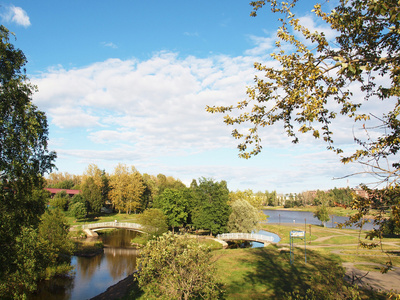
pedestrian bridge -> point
(91, 229)
(254, 237)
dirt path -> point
(374, 279)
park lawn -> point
(266, 273)
(339, 235)
(98, 218)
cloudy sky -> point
(128, 82)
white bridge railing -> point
(245, 236)
(113, 225)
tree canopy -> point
(24, 159)
(211, 210)
(244, 217)
(174, 204)
(316, 78)
(177, 267)
(127, 188)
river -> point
(94, 275)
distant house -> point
(70, 193)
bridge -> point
(260, 238)
(90, 229)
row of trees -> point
(206, 204)
(126, 189)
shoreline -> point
(117, 290)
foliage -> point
(60, 200)
(154, 222)
(66, 184)
(272, 199)
(211, 210)
(24, 159)
(39, 254)
(322, 214)
(92, 193)
(174, 204)
(54, 229)
(127, 188)
(243, 218)
(62, 180)
(78, 210)
(177, 267)
(316, 78)
(313, 83)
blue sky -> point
(128, 82)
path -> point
(374, 279)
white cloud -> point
(263, 45)
(15, 15)
(110, 45)
(157, 104)
(151, 113)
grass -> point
(87, 247)
(266, 273)
(97, 218)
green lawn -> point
(102, 218)
(266, 273)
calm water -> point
(94, 275)
(302, 217)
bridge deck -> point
(104, 225)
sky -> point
(128, 82)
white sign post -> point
(299, 235)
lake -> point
(302, 217)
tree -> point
(92, 193)
(316, 81)
(63, 180)
(243, 218)
(24, 159)
(311, 86)
(322, 214)
(177, 267)
(256, 200)
(54, 229)
(78, 210)
(154, 222)
(60, 200)
(127, 188)
(211, 210)
(40, 253)
(174, 205)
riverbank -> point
(88, 248)
(119, 290)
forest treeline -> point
(127, 190)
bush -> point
(78, 210)
(60, 200)
(177, 267)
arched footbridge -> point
(90, 229)
(254, 237)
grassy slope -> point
(265, 273)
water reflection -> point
(95, 274)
